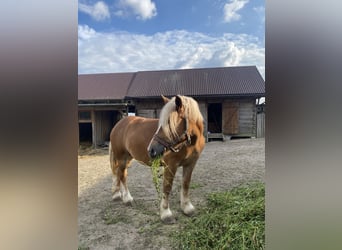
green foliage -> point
(156, 174)
(110, 216)
(231, 220)
(194, 185)
(83, 248)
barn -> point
(101, 103)
(227, 98)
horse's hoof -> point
(166, 216)
(188, 210)
(116, 196)
(127, 199)
(128, 203)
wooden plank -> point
(204, 111)
(98, 127)
(230, 118)
(93, 128)
(103, 123)
(215, 136)
(247, 118)
(261, 125)
(148, 113)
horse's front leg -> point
(165, 212)
(187, 207)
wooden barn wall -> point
(102, 127)
(149, 108)
(260, 125)
(152, 108)
(203, 106)
(93, 127)
(239, 117)
(230, 117)
(102, 120)
(103, 124)
(247, 118)
(238, 114)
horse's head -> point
(172, 133)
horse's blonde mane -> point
(168, 116)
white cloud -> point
(141, 9)
(230, 10)
(125, 52)
(85, 32)
(99, 11)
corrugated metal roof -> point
(224, 81)
(109, 86)
(227, 81)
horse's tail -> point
(112, 164)
(111, 157)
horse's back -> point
(119, 131)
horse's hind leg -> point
(116, 189)
(122, 176)
(119, 169)
(119, 186)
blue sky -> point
(135, 35)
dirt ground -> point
(105, 224)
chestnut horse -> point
(177, 136)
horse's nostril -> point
(153, 153)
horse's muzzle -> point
(156, 150)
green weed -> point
(83, 248)
(110, 216)
(231, 220)
(194, 185)
(157, 174)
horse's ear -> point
(165, 99)
(179, 103)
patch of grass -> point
(145, 208)
(83, 248)
(110, 216)
(151, 227)
(114, 218)
(194, 185)
(231, 220)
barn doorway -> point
(215, 117)
(85, 133)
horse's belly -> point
(137, 148)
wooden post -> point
(93, 128)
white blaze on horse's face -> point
(149, 145)
(154, 148)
